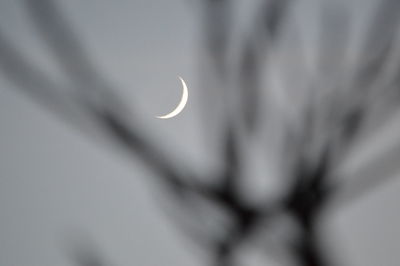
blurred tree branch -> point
(319, 142)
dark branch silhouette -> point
(332, 120)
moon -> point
(182, 103)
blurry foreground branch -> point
(333, 102)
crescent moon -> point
(182, 103)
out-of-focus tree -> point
(306, 82)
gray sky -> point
(54, 182)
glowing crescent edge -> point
(182, 103)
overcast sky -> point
(56, 183)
